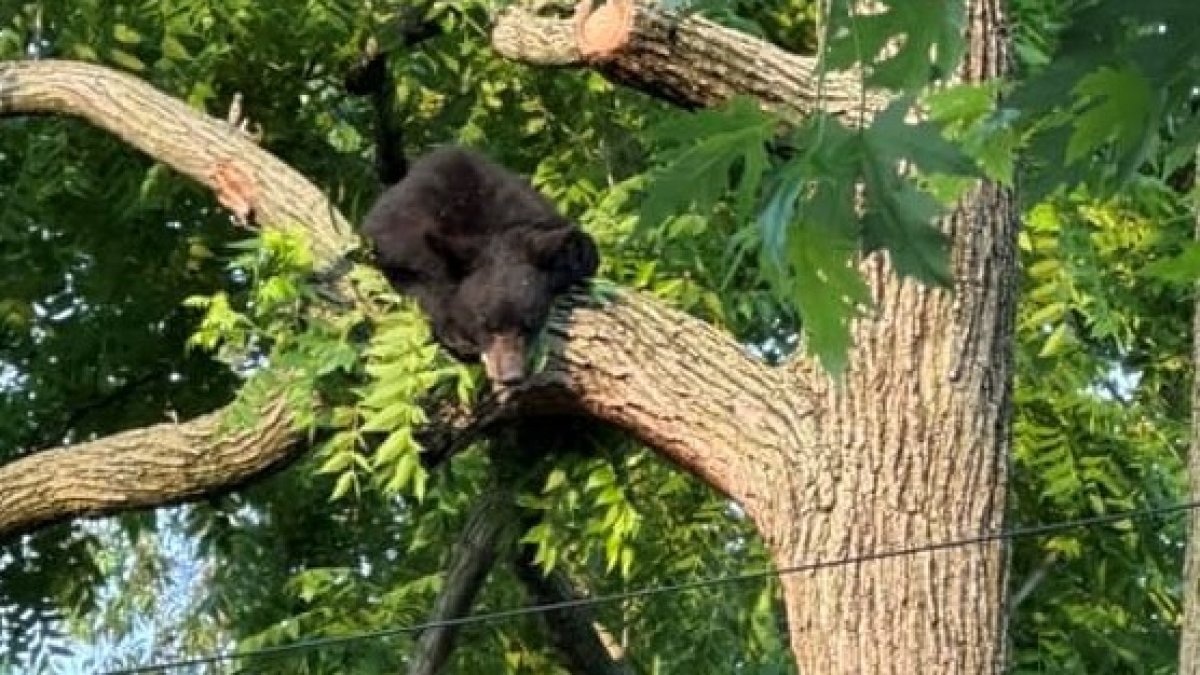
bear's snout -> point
(504, 359)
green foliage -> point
(968, 117)
(718, 213)
(582, 512)
(809, 231)
(899, 216)
(1131, 72)
(704, 150)
(1181, 269)
(399, 370)
(903, 44)
(406, 371)
(1100, 427)
(275, 266)
(264, 332)
(1106, 125)
(1114, 107)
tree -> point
(908, 445)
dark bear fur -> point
(482, 253)
(478, 248)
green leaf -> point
(1117, 106)
(920, 40)
(175, 50)
(891, 139)
(899, 220)
(900, 217)
(1059, 340)
(710, 145)
(828, 289)
(125, 34)
(126, 60)
(1181, 270)
(345, 483)
(556, 479)
(337, 462)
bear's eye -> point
(398, 274)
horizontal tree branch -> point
(674, 382)
(159, 465)
(167, 463)
(690, 61)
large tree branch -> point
(207, 150)
(676, 383)
(152, 466)
(673, 381)
(167, 463)
(687, 60)
(909, 447)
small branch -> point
(1033, 581)
(585, 647)
(471, 560)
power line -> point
(1015, 533)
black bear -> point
(481, 251)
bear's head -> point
(505, 299)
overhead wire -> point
(488, 617)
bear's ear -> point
(567, 253)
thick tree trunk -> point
(912, 448)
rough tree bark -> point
(910, 448)
(173, 133)
(153, 466)
(689, 61)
